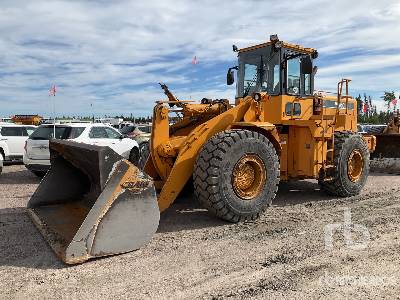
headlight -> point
(278, 44)
(257, 97)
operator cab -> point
(275, 68)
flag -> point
(365, 107)
(194, 61)
(52, 90)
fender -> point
(267, 129)
(4, 150)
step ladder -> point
(328, 160)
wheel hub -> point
(355, 165)
(249, 176)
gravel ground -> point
(194, 255)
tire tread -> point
(205, 175)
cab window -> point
(259, 71)
(297, 109)
(293, 109)
(293, 76)
(276, 79)
(307, 84)
(298, 83)
(250, 78)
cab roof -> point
(284, 45)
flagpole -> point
(54, 116)
(194, 62)
(52, 92)
(91, 106)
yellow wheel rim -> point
(249, 176)
(355, 165)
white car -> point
(37, 154)
(12, 140)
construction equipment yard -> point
(200, 150)
(284, 253)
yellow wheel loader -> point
(92, 203)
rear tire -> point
(236, 175)
(2, 161)
(351, 161)
(39, 174)
(134, 156)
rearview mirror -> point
(306, 65)
(230, 78)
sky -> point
(107, 57)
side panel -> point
(278, 109)
(300, 152)
(346, 122)
(272, 109)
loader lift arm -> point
(174, 175)
(172, 99)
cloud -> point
(111, 54)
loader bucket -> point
(386, 157)
(93, 203)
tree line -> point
(367, 111)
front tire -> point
(1, 162)
(134, 156)
(236, 175)
(144, 150)
(39, 174)
(351, 166)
